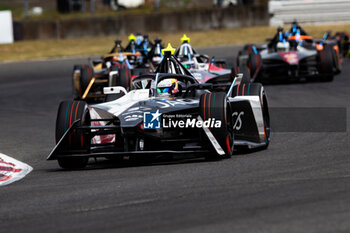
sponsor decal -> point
(237, 118)
(190, 123)
(133, 117)
(12, 170)
(152, 120)
(290, 57)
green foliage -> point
(4, 8)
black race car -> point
(116, 68)
(168, 112)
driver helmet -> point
(139, 38)
(187, 64)
(282, 46)
(168, 87)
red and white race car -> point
(204, 68)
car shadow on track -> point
(104, 163)
(112, 163)
(141, 162)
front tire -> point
(257, 89)
(216, 106)
(68, 113)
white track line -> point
(12, 170)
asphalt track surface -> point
(301, 183)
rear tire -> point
(86, 74)
(215, 105)
(343, 43)
(124, 78)
(68, 113)
(336, 58)
(326, 64)
(82, 75)
(246, 74)
(254, 61)
(76, 89)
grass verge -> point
(29, 50)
